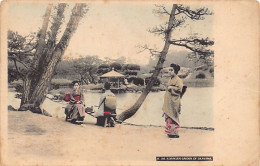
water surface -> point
(197, 107)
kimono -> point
(75, 110)
(102, 97)
(171, 106)
(101, 119)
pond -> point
(197, 107)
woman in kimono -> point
(172, 101)
(105, 106)
(75, 110)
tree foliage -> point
(116, 66)
(87, 68)
(20, 54)
(103, 68)
(131, 67)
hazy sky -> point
(108, 30)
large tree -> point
(44, 56)
(198, 46)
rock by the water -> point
(11, 108)
(50, 96)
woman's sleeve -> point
(82, 96)
(176, 88)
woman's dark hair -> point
(107, 86)
(74, 82)
(176, 68)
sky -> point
(108, 29)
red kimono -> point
(75, 108)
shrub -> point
(55, 86)
(103, 66)
(130, 79)
(201, 76)
(131, 73)
(156, 83)
(103, 70)
(138, 81)
(211, 70)
(131, 67)
(116, 66)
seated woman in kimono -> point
(75, 109)
(107, 108)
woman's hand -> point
(83, 103)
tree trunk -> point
(41, 42)
(27, 79)
(132, 110)
(83, 80)
(26, 90)
(53, 33)
(91, 76)
(38, 84)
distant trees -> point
(87, 68)
(65, 70)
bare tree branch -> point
(18, 71)
(177, 23)
(164, 29)
(54, 30)
(14, 58)
(57, 21)
(160, 9)
(27, 52)
(199, 47)
(158, 30)
(30, 42)
(194, 14)
(153, 52)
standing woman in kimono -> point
(172, 101)
(75, 110)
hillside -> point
(179, 57)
